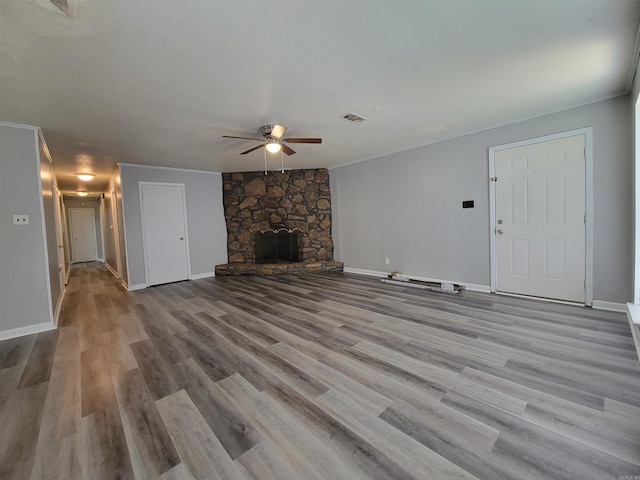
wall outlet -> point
(386, 260)
(21, 219)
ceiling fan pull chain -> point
(282, 160)
(265, 161)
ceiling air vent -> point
(54, 6)
(62, 5)
(352, 117)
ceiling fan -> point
(273, 140)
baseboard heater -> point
(444, 287)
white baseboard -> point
(633, 314)
(111, 269)
(474, 287)
(610, 306)
(469, 286)
(30, 330)
(131, 288)
(370, 273)
(202, 275)
(56, 314)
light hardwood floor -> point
(331, 376)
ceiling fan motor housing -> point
(266, 130)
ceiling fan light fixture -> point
(273, 140)
(273, 147)
(85, 177)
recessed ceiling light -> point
(82, 194)
(85, 177)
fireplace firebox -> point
(278, 245)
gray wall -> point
(407, 206)
(111, 225)
(94, 204)
(205, 217)
(24, 271)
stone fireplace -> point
(278, 222)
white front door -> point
(84, 247)
(164, 232)
(540, 219)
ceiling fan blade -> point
(243, 138)
(278, 131)
(288, 150)
(251, 149)
(303, 140)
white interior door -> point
(540, 219)
(164, 235)
(84, 247)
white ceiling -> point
(157, 82)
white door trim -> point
(588, 136)
(636, 236)
(115, 232)
(144, 232)
(57, 200)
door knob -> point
(181, 238)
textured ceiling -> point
(157, 82)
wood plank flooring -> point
(332, 376)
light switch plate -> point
(21, 219)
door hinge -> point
(585, 218)
(493, 179)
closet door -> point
(84, 247)
(163, 210)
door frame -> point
(93, 230)
(587, 132)
(115, 232)
(59, 215)
(144, 227)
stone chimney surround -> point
(296, 199)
